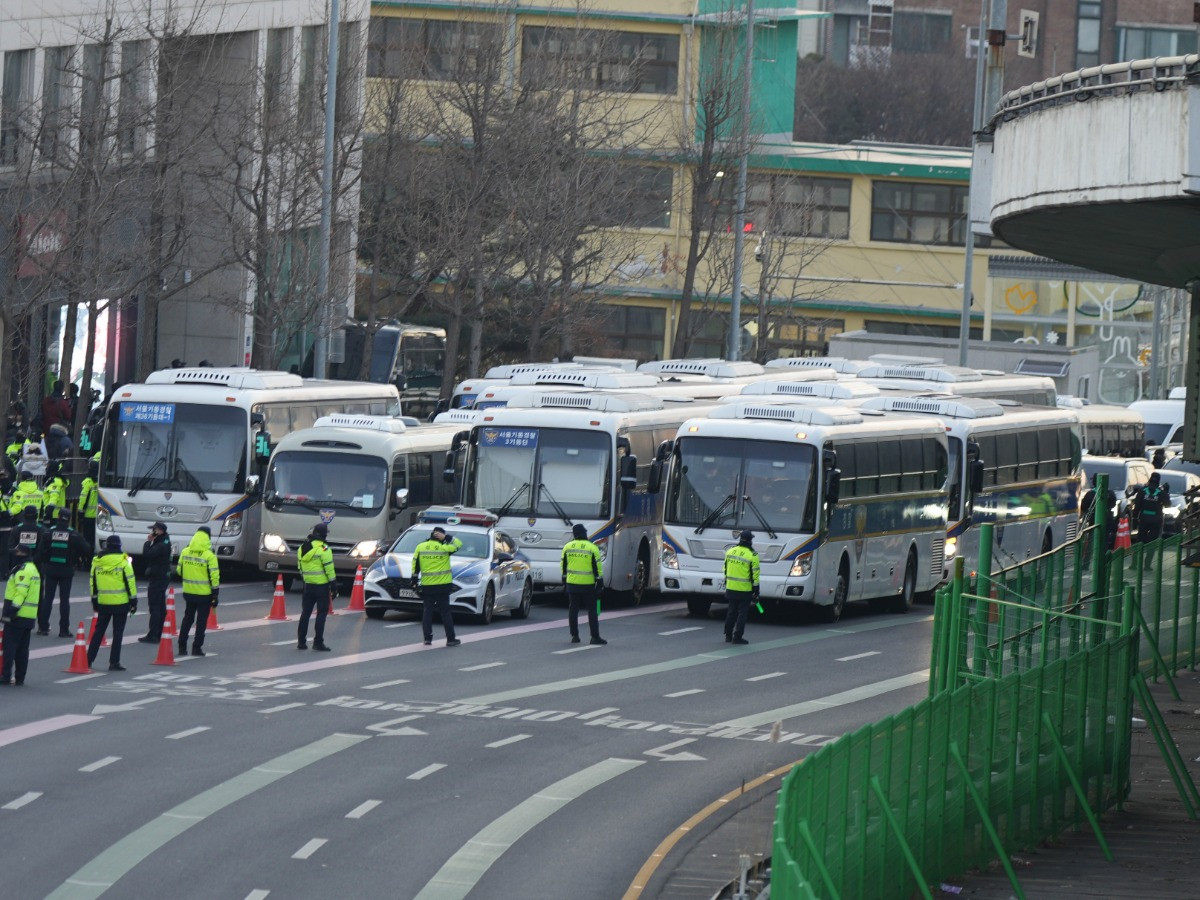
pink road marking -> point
(42, 726)
(351, 659)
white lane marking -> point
(244, 602)
(352, 659)
(281, 643)
(428, 770)
(681, 630)
(490, 665)
(859, 656)
(275, 709)
(597, 713)
(180, 735)
(462, 872)
(399, 624)
(78, 678)
(100, 764)
(576, 649)
(765, 677)
(310, 848)
(42, 726)
(258, 894)
(842, 698)
(362, 809)
(508, 740)
(685, 693)
(208, 654)
(113, 863)
(383, 684)
(23, 800)
(683, 756)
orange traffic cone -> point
(357, 597)
(171, 610)
(278, 611)
(212, 624)
(79, 662)
(92, 633)
(1122, 542)
(166, 647)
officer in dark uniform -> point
(1151, 499)
(156, 556)
(63, 552)
(741, 586)
(27, 531)
(315, 561)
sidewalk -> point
(1156, 848)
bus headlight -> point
(273, 543)
(103, 520)
(232, 526)
(364, 549)
(670, 559)
(801, 565)
(951, 548)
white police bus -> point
(188, 446)
(845, 504)
(552, 459)
(1017, 467)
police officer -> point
(27, 532)
(114, 598)
(201, 586)
(583, 574)
(741, 586)
(156, 556)
(1151, 499)
(315, 561)
(20, 612)
(54, 491)
(89, 504)
(26, 493)
(63, 552)
(431, 576)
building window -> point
(14, 100)
(971, 33)
(798, 206)
(914, 32)
(1087, 42)
(433, 50)
(56, 101)
(924, 329)
(310, 99)
(131, 104)
(1148, 43)
(277, 77)
(644, 200)
(917, 213)
(627, 61)
(636, 331)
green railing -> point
(1026, 730)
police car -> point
(489, 573)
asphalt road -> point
(515, 765)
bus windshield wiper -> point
(542, 489)
(508, 504)
(145, 479)
(715, 514)
(191, 482)
(761, 520)
(344, 504)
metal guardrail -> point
(1157, 74)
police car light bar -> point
(449, 515)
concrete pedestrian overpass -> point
(1101, 168)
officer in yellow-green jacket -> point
(583, 574)
(741, 586)
(315, 561)
(432, 578)
(201, 586)
(89, 504)
(26, 493)
(20, 613)
(54, 491)
(114, 598)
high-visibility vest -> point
(24, 589)
(199, 568)
(26, 493)
(579, 557)
(88, 498)
(431, 560)
(316, 566)
(55, 492)
(741, 569)
(112, 579)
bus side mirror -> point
(976, 476)
(654, 482)
(628, 472)
(451, 454)
(400, 498)
(833, 486)
(252, 482)
(262, 446)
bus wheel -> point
(641, 578)
(521, 611)
(489, 606)
(699, 607)
(841, 590)
(908, 590)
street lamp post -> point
(324, 304)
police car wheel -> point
(521, 610)
(488, 609)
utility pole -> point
(739, 222)
(324, 301)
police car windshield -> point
(474, 544)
